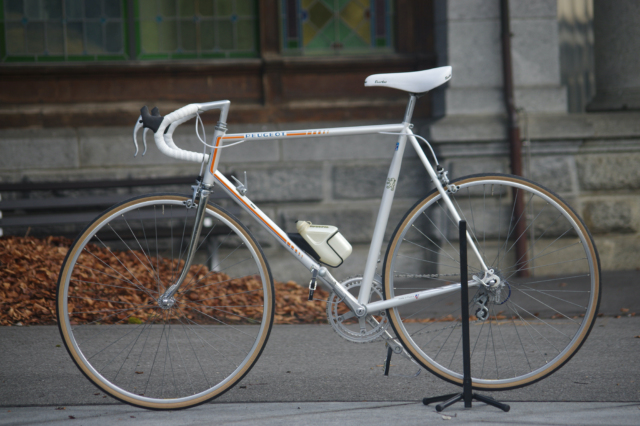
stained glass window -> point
(320, 27)
(61, 30)
(197, 29)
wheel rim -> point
(164, 356)
(536, 323)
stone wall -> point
(591, 160)
(468, 37)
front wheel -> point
(164, 354)
(546, 264)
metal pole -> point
(515, 144)
(464, 306)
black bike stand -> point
(467, 390)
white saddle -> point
(412, 82)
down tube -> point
(283, 239)
(267, 223)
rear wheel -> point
(172, 355)
(526, 327)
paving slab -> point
(331, 413)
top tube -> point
(314, 133)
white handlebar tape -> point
(168, 136)
(165, 142)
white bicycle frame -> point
(361, 305)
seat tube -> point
(385, 207)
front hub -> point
(166, 302)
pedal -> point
(393, 347)
(313, 283)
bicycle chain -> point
(401, 275)
(380, 338)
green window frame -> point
(118, 30)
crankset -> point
(347, 325)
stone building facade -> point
(589, 157)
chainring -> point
(346, 324)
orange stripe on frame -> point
(321, 132)
(215, 153)
(258, 216)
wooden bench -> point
(42, 209)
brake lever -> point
(144, 140)
(155, 112)
(139, 124)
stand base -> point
(452, 398)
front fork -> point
(202, 193)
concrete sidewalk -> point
(309, 363)
(331, 413)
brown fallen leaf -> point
(30, 271)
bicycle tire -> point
(533, 325)
(181, 355)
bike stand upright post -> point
(467, 389)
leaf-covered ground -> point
(29, 269)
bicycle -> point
(175, 333)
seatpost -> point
(408, 114)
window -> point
(330, 27)
(197, 29)
(62, 30)
(94, 30)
